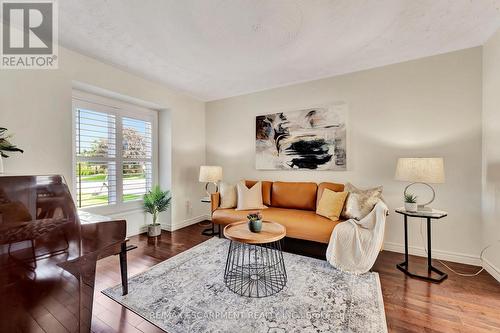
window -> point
(114, 151)
(136, 155)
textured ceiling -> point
(213, 49)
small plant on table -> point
(411, 202)
(255, 222)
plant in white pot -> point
(6, 146)
(155, 202)
(411, 202)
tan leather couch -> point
(289, 203)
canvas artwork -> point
(311, 139)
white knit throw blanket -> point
(354, 245)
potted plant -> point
(6, 146)
(155, 202)
(411, 202)
(254, 222)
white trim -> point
(87, 89)
(185, 223)
(109, 102)
(438, 254)
(490, 268)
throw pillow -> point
(331, 204)
(360, 202)
(249, 198)
(227, 195)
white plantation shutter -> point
(137, 171)
(95, 157)
(114, 153)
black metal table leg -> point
(404, 266)
(429, 247)
(209, 231)
(406, 241)
(123, 268)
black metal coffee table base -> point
(255, 270)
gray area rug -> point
(186, 293)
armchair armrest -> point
(215, 201)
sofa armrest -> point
(215, 201)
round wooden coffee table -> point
(255, 265)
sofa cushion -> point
(331, 186)
(226, 216)
(331, 204)
(360, 202)
(249, 198)
(228, 196)
(294, 195)
(301, 224)
(266, 190)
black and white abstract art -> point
(313, 139)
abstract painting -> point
(311, 139)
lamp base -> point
(209, 194)
(423, 208)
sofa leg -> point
(220, 234)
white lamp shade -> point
(210, 173)
(425, 170)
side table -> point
(404, 266)
(209, 231)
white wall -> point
(35, 105)
(491, 152)
(427, 107)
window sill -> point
(115, 209)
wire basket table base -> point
(255, 270)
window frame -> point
(119, 109)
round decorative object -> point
(432, 189)
(255, 265)
(255, 225)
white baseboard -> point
(439, 254)
(490, 268)
(188, 222)
(143, 229)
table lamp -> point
(421, 170)
(210, 174)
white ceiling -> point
(213, 49)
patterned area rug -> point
(186, 293)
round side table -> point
(255, 265)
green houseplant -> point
(155, 202)
(411, 202)
(255, 222)
(6, 146)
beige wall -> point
(36, 106)
(426, 107)
(491, 150)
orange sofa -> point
(291, 204)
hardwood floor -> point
(459, 304)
